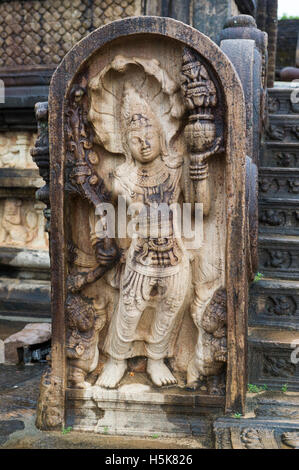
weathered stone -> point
(32, 334)
(94, 336)
(272, 360)
(287, 43)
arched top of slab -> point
(82, 52)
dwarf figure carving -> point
(84, 324)
(211, 350)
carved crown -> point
(136, 112)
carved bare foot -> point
(159, 373)
(83, 385)
(112, 373)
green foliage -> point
(66, 430)
(287, 17)
(256, 389)
(258, 277)
(284, 388)
(237, 415)
(105, 429)
(155, 436)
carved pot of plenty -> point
(200, 135)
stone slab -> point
(32, 334)
(256, 433)
(274, 303)
(142, 411)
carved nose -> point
(145, 144)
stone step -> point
(20, 298)
(256, 433)
(23, 263)
(283, 128)
(274, 303)
(283, 100)
(277, 405)
(279, 216)
(273, 358)
(279, 256)
(278, 183)
(280, 154)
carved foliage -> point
(278, 132)
(277, 259)
(272, 218)
(279, 184)
(279, 219)
(273, 104)
(286, 159)
(83, 180)
(281, 305)
(81, 177)
(278, 367)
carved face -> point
(11, 206)
(144, 143)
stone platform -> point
(138, 409)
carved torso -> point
(152, 255)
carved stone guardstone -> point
(147, 113)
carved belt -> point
(158, 252)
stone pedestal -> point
(141, 410)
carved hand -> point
(76, 282)
(106, 251)
(221, 355)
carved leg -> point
(166, 314)
(76, 378)
(120, 337)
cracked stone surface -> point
(19, 387)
